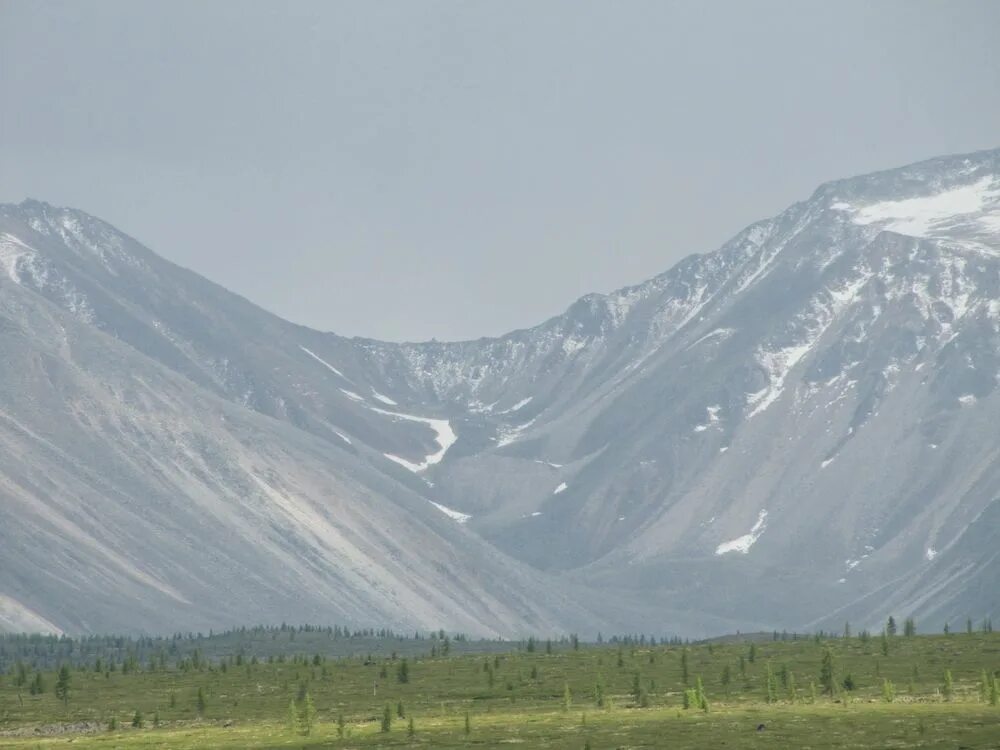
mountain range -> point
(796, 430)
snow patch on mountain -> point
(444, 435)
(561, 488)
(13, 253)
(508, 435)
(326, 364)
(518, 406)
(809, 326)
(713, 418)
(23, 265)
(744, 543)
(920, 216)
(383, 398)
(453, 514)
(718, 333)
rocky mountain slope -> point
(794, 430)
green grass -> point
(247, 706)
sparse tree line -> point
(753, 669)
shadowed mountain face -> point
(795, 430)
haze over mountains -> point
(795, 430)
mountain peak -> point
(823, 388)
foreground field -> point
(920, 691)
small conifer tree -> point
(62, 684)
(888, 691)
(386, 718)
(826, 672)
(771, 687)
(307, 715)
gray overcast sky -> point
(455, 169)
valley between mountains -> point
(798, 429)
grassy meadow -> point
(903, 691)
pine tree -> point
(137, 721)
(468, 724)
(292, 718)
(387, 718)
(726, 679)
(307, 715)
(685, 677)
(752, 656)
(791, 688)
(599, 693)
(909, 627)
(690, 698)
(200, 701)
(948, 687)
(567, 697)
(890, 626)
(984, 687)
(700, 693)
(968, 625)
(410, 730)
(156, 718)
(341, 726)
(403, 673)
(885, 644)
(826, 672)
(400, 710)
(62, 684)
(772, 686)
(994, 691)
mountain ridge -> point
(635, 442)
